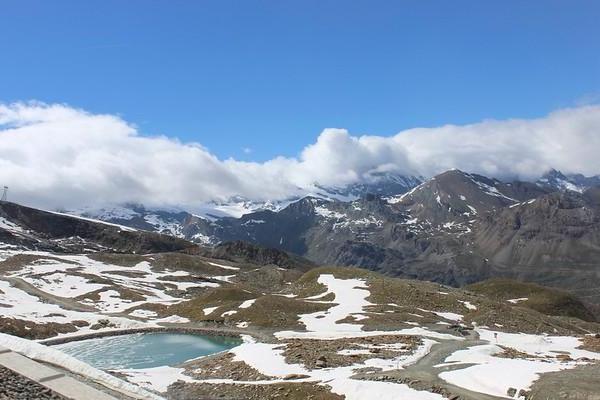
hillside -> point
(546, 300)
(554, 240)
(306, 331)
(327, 332)
(455, 196)
(331, 332)
(455, 228)
(30, 228)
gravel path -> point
(423, 375)
(66, 303)
(14, 386)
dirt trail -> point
(66, 303)
(423, 375)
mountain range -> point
(455, 228)
(294, 329)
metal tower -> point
(4, 193)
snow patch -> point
(247, 303)
(223, 266)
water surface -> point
(145, 350)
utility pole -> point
(4, 194)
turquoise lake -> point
(145, 350)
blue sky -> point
(271, 75)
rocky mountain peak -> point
(380, 183)
(557, 180)
(454, 195)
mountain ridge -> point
(455, 228)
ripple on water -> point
(145, 350)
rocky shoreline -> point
(185, 330)
(14, 386)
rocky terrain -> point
(198, 226)
(455, 228)
(28, 228)
(554, 179)
(309, 331)
(15, 386)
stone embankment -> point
(24, 378)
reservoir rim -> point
(120, 332)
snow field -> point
(495, 375)
(68, 276)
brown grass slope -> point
(543, 299)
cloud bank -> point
(57, 156)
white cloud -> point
(59, 156)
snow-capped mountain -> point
(452, 199)
(381, 184)
(449, 203)
(197, 224)
(458, 196)
(163, 220)
(574, 182)
(454, 228)
(32, 229)
(332, 321)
